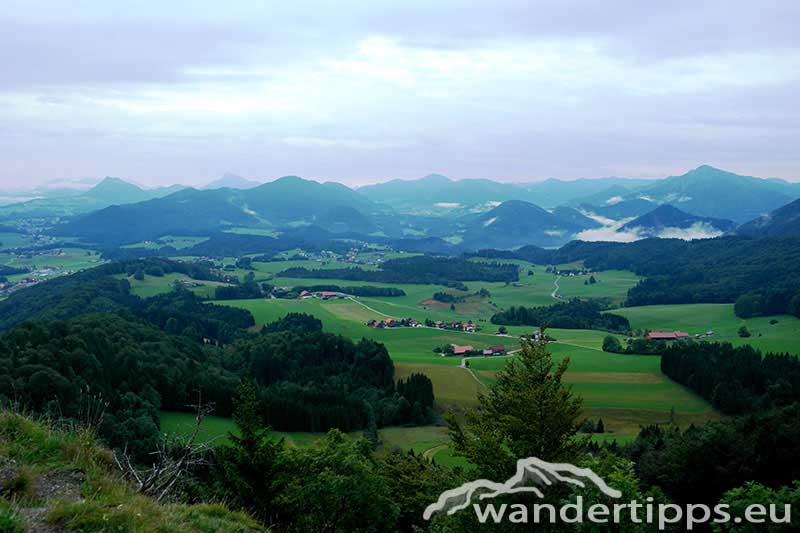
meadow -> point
(154, 285)
(626, 391)
(781, 336)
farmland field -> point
(153, 285)
(625, 391)
(699, 318)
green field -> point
(626, 391)
(48, 264)
(699, 318)
(153, 285)
(216, 429)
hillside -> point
(232, 181)
(282, 202)
(783, 222)
(711, 192)
(110, 191)
(56, 479)
(633, 207)
(436, 193)
(516, 223)
(667, 217)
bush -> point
(612, 344)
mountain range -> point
(469, 214)
(665, 217)
(784, 221)
(69, 202)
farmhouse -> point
(462, 350)
(495, 350)
(327, 295)
(666, 335)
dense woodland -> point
(735, 379)
(574, 314)
(719, 270)
(87, 344)
(357, 290)
(418, 269)
(95, 290)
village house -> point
(495, 350)
(305, 295)
(666, 335)
(462, 350)
(328, 295)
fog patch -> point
(614, 200)
(449, 205)
(698, 230)
(610, 232)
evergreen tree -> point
(528, 412)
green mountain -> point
(516, 223)
(110, 191)
(620, 210)
(666, 216)
(232, 181)
(437, 194)
(783, 222)
(711, 192)
(288, 201)
(553, 192)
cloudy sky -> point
(164, 92)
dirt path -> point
(554, 294)
(430, 452)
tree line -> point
(764, 270)
(573, 314)
(424, 269)
(735, 379)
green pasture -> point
(615, 387)
(154, 285)
(784, 336)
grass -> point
(784, 336)
(105, 502)
(627, 390)
(154, 285)
(608, 382)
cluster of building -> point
(394, 323)
(457, 349)
(666, 335)
(567, 272)
(674, 335)
(456, 325)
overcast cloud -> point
(165, 92)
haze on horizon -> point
(360, 92)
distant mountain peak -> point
(668, 216)
(232, 181)
(436, 178)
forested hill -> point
(418, 269)
(717, 270)
(100, 290)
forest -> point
(721, 270)
(96, 347)
(573, 314)
(735, 379)
(423, 269)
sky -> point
(360, 92)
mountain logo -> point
(532, 473)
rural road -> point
(554, 294)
